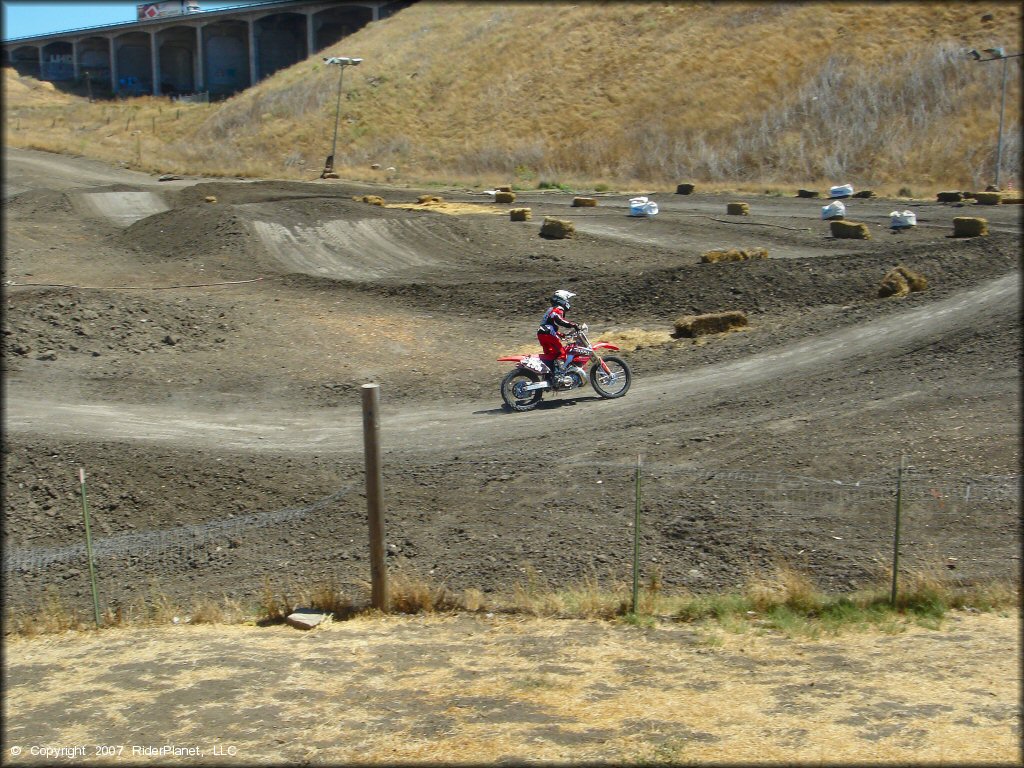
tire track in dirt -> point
(463, 424)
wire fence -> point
(482, 523)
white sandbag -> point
(902, 220)
(642, 206)
(834, 210)
(842, 190)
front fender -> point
(605, 345)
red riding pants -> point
(553, 347)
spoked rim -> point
(513, 394)
(614, 381)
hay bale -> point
(915, 280)
(210, 199)
(373, 199)
(950, 197)
(684, 189)
(504, 197)
(968, 226)
(894, 284)
(900, 281)
(808, 193)
(988, 198)
(737, 209)
(850, 230)
(584, 202)
(428, 199)
(520, 214)
(734, 254)
(691, 326)
(1012, 201)
(970, 195)
(866, 194)
(504, 188)
(557, 229)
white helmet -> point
(561, 298)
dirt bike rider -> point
(549, 336)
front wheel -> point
(513, 394)
(615, 381)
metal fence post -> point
(374, 496)
(88, 550)
(636, 541)
(896, 535)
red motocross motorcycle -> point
(523, 388)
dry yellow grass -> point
(446, 689)
(756, 100)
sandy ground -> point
(488, 690)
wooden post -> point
(374, 496)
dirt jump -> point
(198, 346)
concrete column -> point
(200, 61)
(376, 13)
(43, 69)
(74, 58)
(114, 76)
(154, 59)
(252, 53)
(309, 34)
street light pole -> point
(999, 141)
(997, 54)
(341, 62)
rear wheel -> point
(615, 381)
(513, 394)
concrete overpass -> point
(217, 52)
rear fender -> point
(531, 363)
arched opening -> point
(58, 62)
(134, 65)
(226, 57)
(177, 55)
(333, 24)
(280, 42)
(94, 61)
(25, 61)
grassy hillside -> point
(625, 94)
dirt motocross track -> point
(203, 362)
